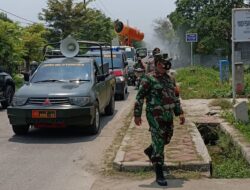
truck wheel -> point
(8, 94)
(95, 127)
(110, 108)
(20, 129)
(123, 94)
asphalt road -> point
(56, 159)
(72, 160)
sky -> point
(137, 13)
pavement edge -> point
(204, 166)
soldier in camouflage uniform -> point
(139, 69)
(151, 61)
(139, 64)
(162, 103)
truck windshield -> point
(62, 72)
(130, 54)
(117, 61)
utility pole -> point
(84, 2)
(191, 37)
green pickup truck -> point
(66, 90)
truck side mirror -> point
(26, 76)
(101, 78)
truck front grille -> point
(49, 101)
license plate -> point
(43, 114)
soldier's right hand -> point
(182, 119)
(137, 121)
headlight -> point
(19, 101)
(79, 101)
(120, 79)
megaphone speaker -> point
(69, 47)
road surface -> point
(56, 159)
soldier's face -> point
(160, 67)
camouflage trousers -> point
(161, 134)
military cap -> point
(164, 59)
(156, 51)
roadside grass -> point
(223, 103)
(247, 84)
(227, 160)
(202, 82)
(244, 128)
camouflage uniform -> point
(150, 65)
(151, 60)
(139, 65)
(158, 89)
(139, 74)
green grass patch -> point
(227, 160)
(202, 82)
(247, 84)
(244, 128)
(223, 103)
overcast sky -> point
(138, 13)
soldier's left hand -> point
(138, 120)
(182, 119)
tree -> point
(34, 41)
(11, 51)
(69, 18)
(4, 17)
(211, 19)
(96, 27)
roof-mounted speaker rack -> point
(69, 47)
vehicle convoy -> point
(129, 51)
(7, 88)
(127, 36)
(120, 68)
(130, 55)
(141, 52)
(67, 90)
(131, 76)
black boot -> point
(149, 151)
(160, 179)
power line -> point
(100, 6)
(97, 6)
(26, 23)
(17, 16)
(107, 11)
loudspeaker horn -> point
(69, 47)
